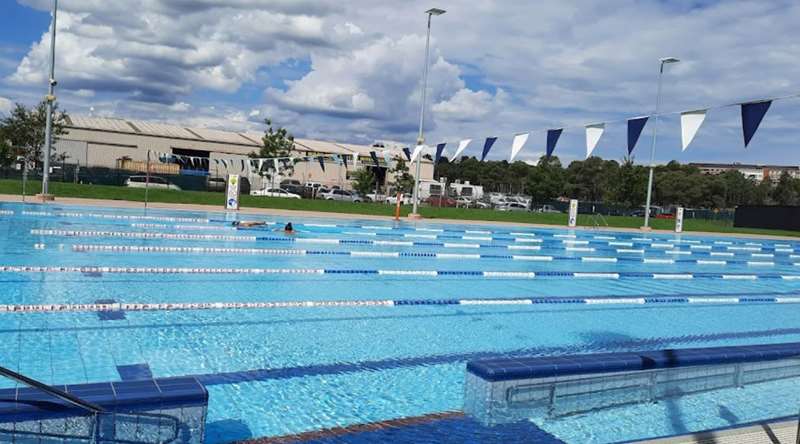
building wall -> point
(98, 148)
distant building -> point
(755, 172)
(123, 144)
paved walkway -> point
(328, 215)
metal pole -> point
(147, 181)
(653, 151)
(420, 137)
(48, 137)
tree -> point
(546, 181)
(403, 181)
(277, 143)
(786, 191)
(23, 132)
(364, 181)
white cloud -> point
(496, 69)
(6, 105)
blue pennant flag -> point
(439, 151)
(374, 156)
(321, 162)
(752, 113)
(344, 161)
(552, 140)
(407, 152)
(635, 127)
(487, 146)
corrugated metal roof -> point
(162, 129)
(212, 135)
(101, 123)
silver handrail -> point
(62, 395)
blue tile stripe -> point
(110, 308)
(504, 369)
(395, 254)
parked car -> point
(154, 182)
(547, 209)
(275, 192)
(512, 206)
(215, 184)
(466, 202)
(440, 201)
(407, 199)
(342, 195)
(292, 186)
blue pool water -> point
(287, 371)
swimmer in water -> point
(288, 229)
(247, 224)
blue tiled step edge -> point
(25, 403)
(505, 369)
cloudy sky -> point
(351, 70)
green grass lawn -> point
(217, 199)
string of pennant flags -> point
(752, 113)
(258, 165)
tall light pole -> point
(50, 98)
(420, 138)
(663, 61)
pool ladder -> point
(598, 220)
(102, 423)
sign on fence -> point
(573, 213)
(232, 192)
(679, 220)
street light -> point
(664, 61)
(50, 98)
(420, 138)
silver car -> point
(343, 195)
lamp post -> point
(420, 138)
(50, 98)
(663, 61)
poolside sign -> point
(679, 220)
(232, 192)
(573, 213)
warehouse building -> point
(122, 144)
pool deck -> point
(779, 432)
(331, 215)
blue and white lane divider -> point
(332, 241)
(546, 233)
(380, 272)
(616, 301)
(395, 254)
(114, 216)
(6, 212)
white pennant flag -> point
(417, 151)
(517, 144)
(260, 164)
(690, 123)
(275, 164)
(593, 134)
(461, 147)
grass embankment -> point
(61, 189)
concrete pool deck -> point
(777, 432)
(330, 215)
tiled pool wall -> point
(499, 391)
(166, 410)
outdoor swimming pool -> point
(429, 299)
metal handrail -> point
(60, 394)
(94, 409)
